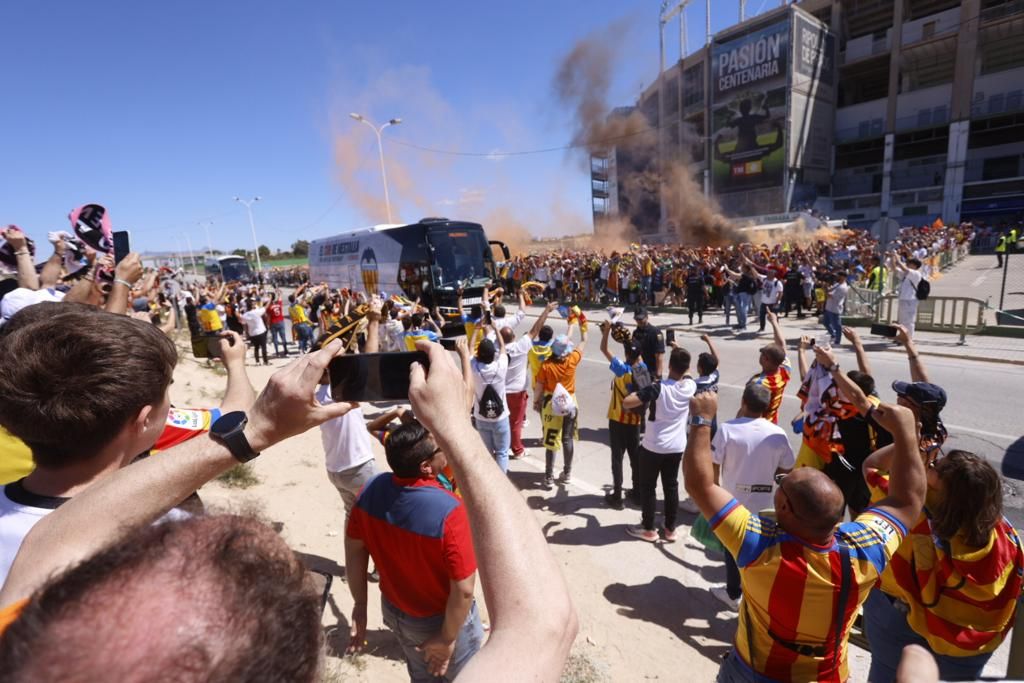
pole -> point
(383, 171)
(252, 227)
(191, 255)
(1006, 267)
(743, 10)
(181, 262)
(707, 22)
(209, 243)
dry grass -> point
(241, 476)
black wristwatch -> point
(228, 429)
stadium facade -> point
(860, 109)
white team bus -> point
(429, 260)
(230, 268)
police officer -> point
(650, 340)
(1001, 249)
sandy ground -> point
(645, 610)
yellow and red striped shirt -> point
(776, 384)
(791, 590)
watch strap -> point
(698, 421)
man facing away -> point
(748, 452)
(419, 537)
(804, 575)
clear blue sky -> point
(163, 112)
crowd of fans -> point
(103, 540)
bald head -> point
(816, 500)
(508, 335)
(218, 598)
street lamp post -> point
(380, 151)
(209, 243)
(252, 226)
(191, 254)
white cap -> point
(19, 298)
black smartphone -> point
(448, 344)
(670, 336)
(884, 330)
(373, 376)
(453, 329)
(122, 244)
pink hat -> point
(91, 222)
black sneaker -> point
(614, 500)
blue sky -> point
(163, 112)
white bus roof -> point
(362, 231)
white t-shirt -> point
(17, 517)
(494, 374)
(666, 433)
(346, 442)
(540, 274)
(394, 336)
(253, 321)
(837, 298)
(911, 280)
(749, 451)
(518, 361)
(771, 290)
(507, 321)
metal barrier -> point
(861, 302)
(956, 314)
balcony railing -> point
(874, 128)
(999, 103)
(1002, 11)
(924, 118)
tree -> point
(240, 252)
(300, 248)
(264, 251)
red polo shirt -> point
(275, 313)
(419, 538)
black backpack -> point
(923, 289)
(490, 406)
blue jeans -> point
(834, 325)
(742, 308)
(305, 333)
(277, 330)
(497, 436)
(412, 631)
(727, 303)
(888, 633)
(735, 670)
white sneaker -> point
(723, 597)
(689, 506)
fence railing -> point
(956, 314)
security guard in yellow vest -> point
(1001, 249)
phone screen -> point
(884, 330)
(373, 376)
(670, 336)
(449, 344)
(122, 245)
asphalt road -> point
(983, 414)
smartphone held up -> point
(373, 376)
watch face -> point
(227, 423)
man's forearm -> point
(27, 276)
(357, 563)
(917, 370)
(698, 468)
(239, 394)
(117, 301)
(50, 274)
(99, 516)
(525, 591)
(455, 612)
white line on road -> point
(978, 280)
(959, 428)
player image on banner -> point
(749, 140)
(371, 277)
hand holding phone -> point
(122, 245)
(670, 337)
(373, 376)
(884, 330)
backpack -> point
(923, 289)
(490, 406)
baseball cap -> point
(562, 346)
(19, 298)
(639, 313)
(921, 393)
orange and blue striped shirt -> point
(791, 590)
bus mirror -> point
(504, 248)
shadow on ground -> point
(668, 603)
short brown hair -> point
(72, 376)
(776, 354)
(230, 597)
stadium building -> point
(859, 109)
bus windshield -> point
(235, 268)
(461, 256)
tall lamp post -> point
(209, 243)
(380, 151)
(252, 226)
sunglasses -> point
(778, 482)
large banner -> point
(749, 111)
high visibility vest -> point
(1001, 245)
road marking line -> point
(959, 428)
(978, 280)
